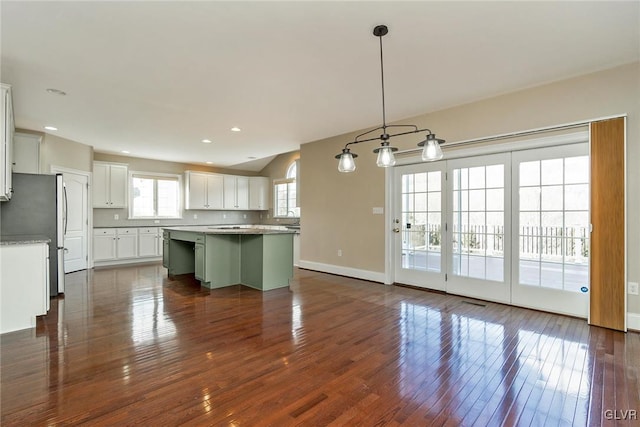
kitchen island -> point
(261, 258)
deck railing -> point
(548, 242)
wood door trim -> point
(608, 243)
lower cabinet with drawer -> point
(149, 242)
(113, 246)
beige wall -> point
(56, 151)
(337, 208)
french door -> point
(551, 214)
(479, 219)
(418, 226)
(510, 227)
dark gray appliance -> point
(36, 208)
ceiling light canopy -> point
(235, 129)
(51, 128)
(206, 141)
(386, 158)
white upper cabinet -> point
(236, 192)
(211, 191)
(203, 191)
(6, 142)
(258, 193)
(109, 185)
(26, 153)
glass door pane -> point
(478, 222)
(551, 186)
(418, 225)
(479, 199)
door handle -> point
(396, 230)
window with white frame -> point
(286, 194)
(154, 195)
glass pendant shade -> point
(385, 157)
(346, 163)
(431, 151)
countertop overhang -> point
(231, 230)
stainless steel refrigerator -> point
(37, 207)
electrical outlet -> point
(156, 221)
(116, 217)
(339, 252)
(195, 216)
(224, 216)
(633, 288)
(244, 216)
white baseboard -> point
(115, 262)
(373, 276)
(633, 321)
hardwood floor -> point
(129, 346)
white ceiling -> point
(155, 78)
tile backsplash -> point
(106, 218)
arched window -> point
(286, 194)
(292, 170)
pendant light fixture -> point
(386, 158)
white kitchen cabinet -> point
(111, 244)
(110, 183)
(6, 142)
(258, 193)
(104, 244)
(236, 192)
(203, 191)
(26, 153)
(126, 243)
(160, 242)
(149, 245)
(24, 285)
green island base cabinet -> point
(260, 259)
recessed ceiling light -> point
(125, 152)
(209, 163)
(235, 129)
(51, 128)
(206, 141)
(56, 91)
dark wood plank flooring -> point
(128, 346)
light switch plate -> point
(633, 288)
(378, 211)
